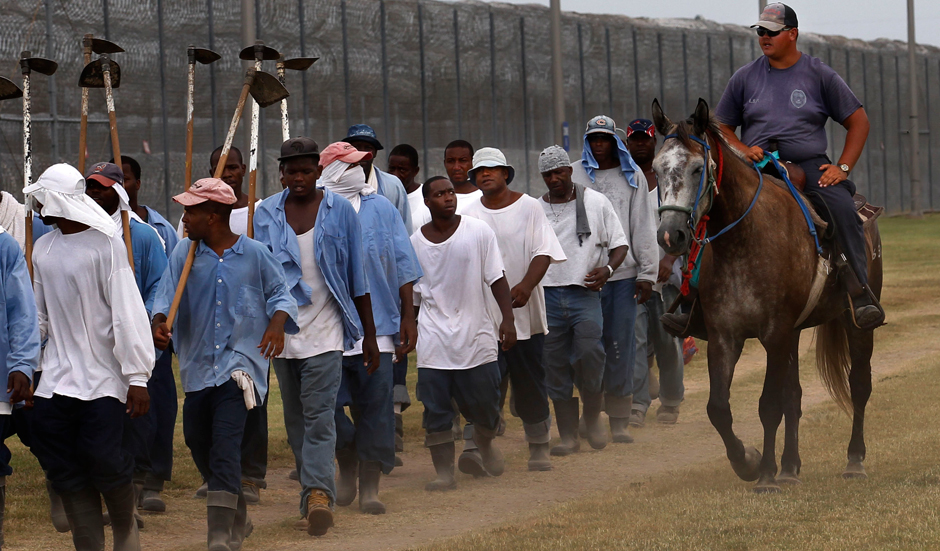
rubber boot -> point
(492, 457)
(596, 432)
(442, 455)
(539, 459)
(3, 505)
(370, 472)
(348, 463)
(122, 506)
(221, 509)
(138, 489)
(470, 460)
(399, 439)
(566, 418)
(866, 312)
(56, 510)
(242, 526)
(83, 510)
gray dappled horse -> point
(755, 281)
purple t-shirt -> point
(789, 105)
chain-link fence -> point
(422, 73)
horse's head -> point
(685, 182)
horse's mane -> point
(684, 129)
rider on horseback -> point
(786, 97)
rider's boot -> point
(677, 321)
(866, 311)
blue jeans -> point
(370, 400)
(213, 427)
(308, 393)
(619, 306)
(80, 443)
(574, 346)
(651, 339)
(476, 391)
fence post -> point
(215, 126)
(424, 92)
(385, 106)
(584, 115)
(493, 103)
(525, 103)
(303, 53)
(53, 102)
(610, 78)
(346, 63)
(164, 129)
(457, 68)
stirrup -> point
(868, 316)
(676, 323)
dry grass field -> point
(672, 489)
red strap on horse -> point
(696, 250)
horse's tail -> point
(833, 361)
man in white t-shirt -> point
(606, 166)
(527, 245)
(591, 235)
(651, 337)
(459, 334)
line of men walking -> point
(350, 270)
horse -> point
(756, 279)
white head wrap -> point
(61, 192)
(349, 184)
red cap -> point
(207, 189)
(342, 151)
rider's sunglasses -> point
(771, 34)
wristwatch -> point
(845, 168)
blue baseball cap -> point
(363, 133)
(601, 124)
(642, 125)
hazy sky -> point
(865, 19)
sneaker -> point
(251, 491)
(637, 418)
(319, 514)
(667, 415)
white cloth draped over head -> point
(61, 192)
(350, 183)
(13, 217)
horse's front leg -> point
(793, 394)
(861, 345)
(723, 354)
(771, 406)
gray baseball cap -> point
(553, 157)
(776, 17)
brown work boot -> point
(637, 418)
(319, 515)
(667, 415)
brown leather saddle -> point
(866, 211)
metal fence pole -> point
(662, 81)
(457, 67)
(884, 130)
(685, 67)
(303, 74)
(53, 103)
(916, 205)
(346, 64)
(636, 74)
(106, 16)
(610, 78)
(424, 91)
(163, 108)
(385, 105)
(525, 103)
(711, 77)
(493, 103)
(215, 126)
(901, 131)
(929, 135)
(584, 116)
(865, 99)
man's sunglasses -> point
(771, 34)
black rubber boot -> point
(596, 432)
(866, 312)
(470, 460)
(492, 457)
(221, 509)
(442, 455)
(348, 462)
(370, 472)
(566, 419)
(83, 510)
(122, 506)
(242, 526)
(56, 510)
(3, 505)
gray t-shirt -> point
(789, 105)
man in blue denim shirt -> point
(235, 298)
(315, 235)
(391, 269)
(19, 345)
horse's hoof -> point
(767, 487)
(789, 477)
(749, 470)
(854, 470)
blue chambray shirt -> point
(337, 248)
(390, 260)
(225, 309)
(149, 261)
(166, 230)
(19, 321)
(392, 189)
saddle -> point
(866, 211)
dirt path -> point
(416, 517)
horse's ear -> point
(700, 118)
(662, 122)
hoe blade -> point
(40, 65)
(93, 76)
(8, 90)
(102, 46)
(300, 63)
(205, 56)
(267, 54)
(266, 89)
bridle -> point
(708, 185)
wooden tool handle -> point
(29, 242)
(181, 286)
(116, 153)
